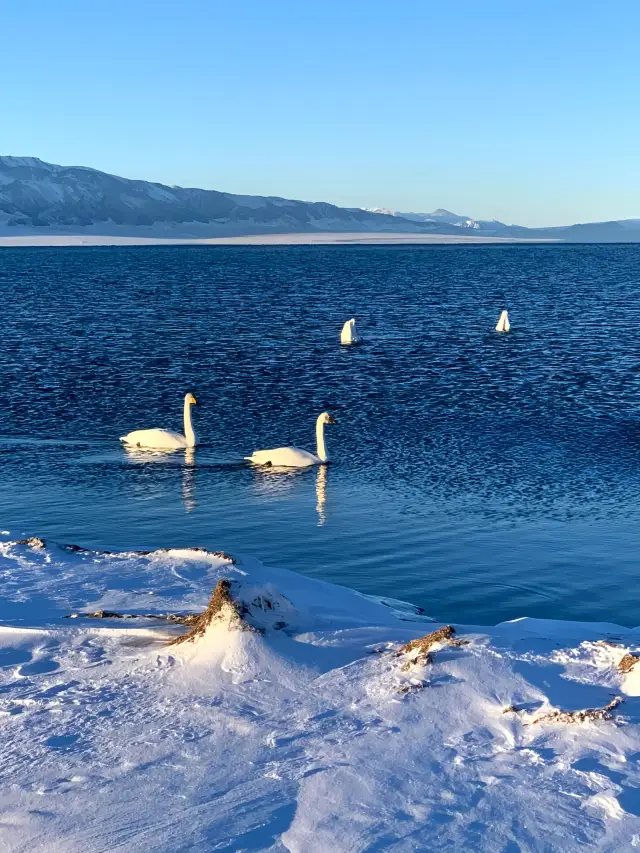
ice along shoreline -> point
(318, 734)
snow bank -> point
(308, 728)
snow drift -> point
(302, 717)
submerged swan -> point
(293, 457)
(503, 323)
(165, 438)
(348, 335)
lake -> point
(479, 476)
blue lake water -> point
(477, 475)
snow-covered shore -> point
(313, 732)
(158, 237)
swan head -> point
(327, 418)
(190, 400)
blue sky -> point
(527, 112)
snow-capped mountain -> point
(438, 217)
(442, 215)
(615, 231)
(44, 198)
(39, 195)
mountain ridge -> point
(37, 197)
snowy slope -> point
(615, 231)
(40, 196)
(311, 734)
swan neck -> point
(322, 451)
(189, 434)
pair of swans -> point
(286, 457)
(349, 335)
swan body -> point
(348, 335)
(503, 323)
(294, 457)
(285, 457)
(165, 439)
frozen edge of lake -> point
(313, 735)
(315, 238)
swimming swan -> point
(165, 438)
(293, 457)
(348, 335)
(503, 323)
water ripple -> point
(453, 440)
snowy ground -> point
(158, 238)
(311, 735)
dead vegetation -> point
(628, 662)
(420, 648)
(584, 716)
(587, 715)
(221, 604)
(176, 618)
(409, 689)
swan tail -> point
(259, 457)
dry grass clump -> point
(221, 603)
(420, 648)
(422, 659)
(584, 716)
(587, 715)
(177, 618)
(408, 689)
(102, 614)
(628, 662)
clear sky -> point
(523, 110)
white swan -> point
(348, 335)
(164, 438)
(293, 457)
(503, 323)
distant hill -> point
(39, 196)
(44, 198)
(616, 231)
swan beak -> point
(332, 420)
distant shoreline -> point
(315, 238)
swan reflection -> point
(148, 456)
(321, 494)
(189, 480)
(275, 480)
(142, 455)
